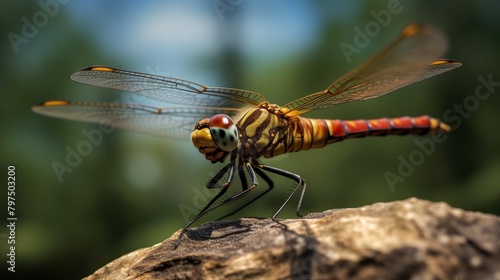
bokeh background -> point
(133, 191)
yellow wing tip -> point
(53, 103)
(99, 68)
(77, 76)
(39, 108)
(445, 61)
(411, 29)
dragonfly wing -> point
(170, 90)
(410, 58)
(438, 67)
(172, 122)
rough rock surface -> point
(410, 239)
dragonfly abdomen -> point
(316, 133)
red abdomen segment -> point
(317, 133)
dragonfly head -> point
(215, 137)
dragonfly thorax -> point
(263, 132)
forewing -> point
(165, 89)
(412, 57)
(172, 122)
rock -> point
(410, 239)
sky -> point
(163, 35)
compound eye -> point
(224, 132)
(201, 124)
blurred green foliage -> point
(126, 193)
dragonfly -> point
(240, 127)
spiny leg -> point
(253, 178)
(205, 210)
(266, 178)
(300, 183)
(243, 177)
(244, 185)
(211, 184)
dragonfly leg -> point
(243, 177)
(253, 178)
(209, 206)
(300, 183)
(266, 178)
(214, 181)
(211, 184)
